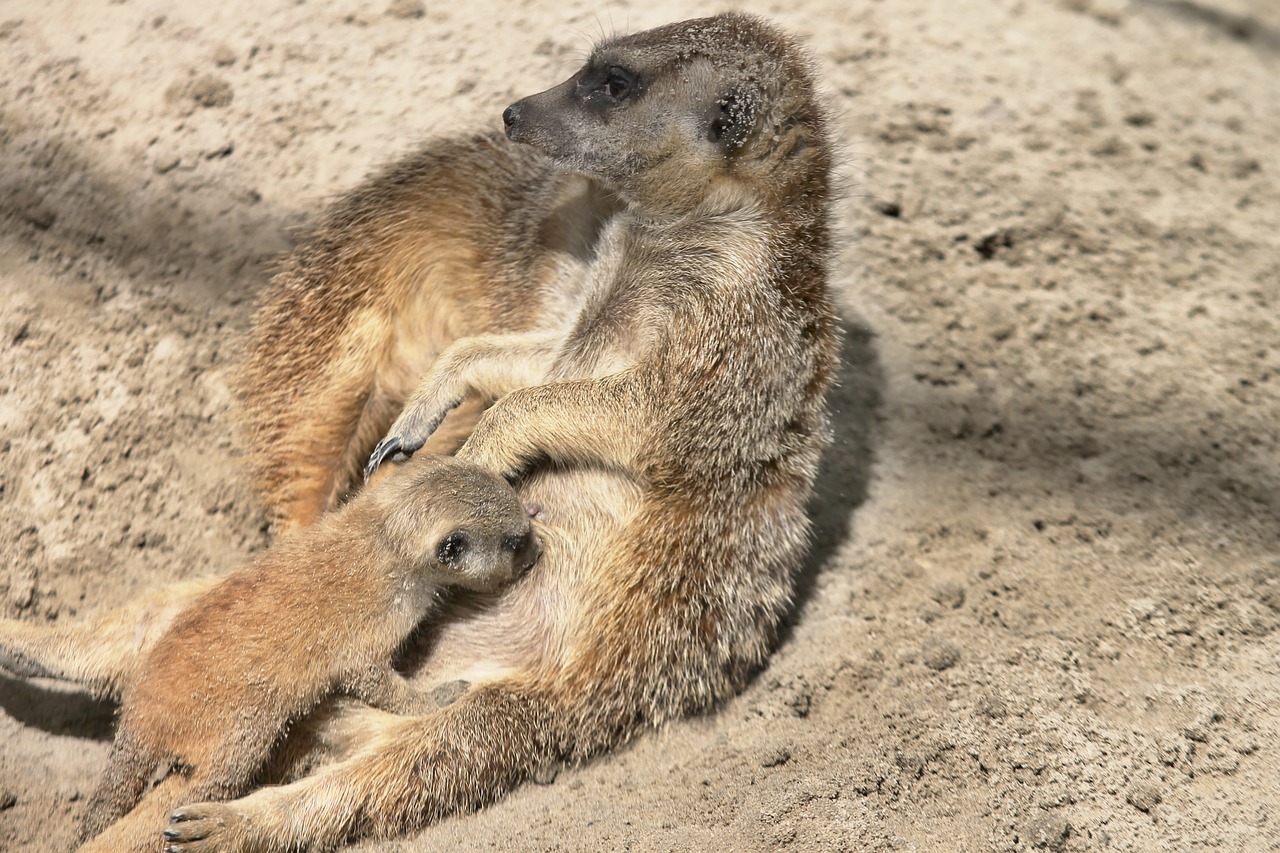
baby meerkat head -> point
(458, 523)
(673, 116)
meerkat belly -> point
(441, 311)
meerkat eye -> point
(617, 83)
(451, 548)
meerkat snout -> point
(527, 551)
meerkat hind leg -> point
(406, 775)
(140, 830)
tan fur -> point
(641, 288)
(323, 612)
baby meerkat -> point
(321, 613)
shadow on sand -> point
(56, 707)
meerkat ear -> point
(731, 116)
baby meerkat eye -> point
(451, 548)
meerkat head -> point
(720, 107)
(458, 523)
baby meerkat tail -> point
(101, 652)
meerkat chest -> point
(615, 326)
(572, 283)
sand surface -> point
(1043, 610)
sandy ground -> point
(1043, 605)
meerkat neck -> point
(685, 201)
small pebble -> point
(223, 56)
(775, 756)
(949, 595)
(993, 707)
(406, 9)
(211, 92)
(1144, 797)
(940, 654)
(1047, 832)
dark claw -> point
(387, 448)
(183, 834)
(449, 692)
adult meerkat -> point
(320, 613)
(641, 285)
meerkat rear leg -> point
(129, 768)
(102, 652)
(310, 392)
(236, 765)
(408, 775)
(484, 367)
(306, 470)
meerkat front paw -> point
(389, 448)
(410, 431)
(205, 827)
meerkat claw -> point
(388, 448)
(189, 825)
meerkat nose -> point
(509, 116)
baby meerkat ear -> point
(730, 118)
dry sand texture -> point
(1043, 607)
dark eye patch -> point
(452, 548)
(608, 86)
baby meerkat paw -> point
(201, 827)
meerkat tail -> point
(102, 652)
(68, 653)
